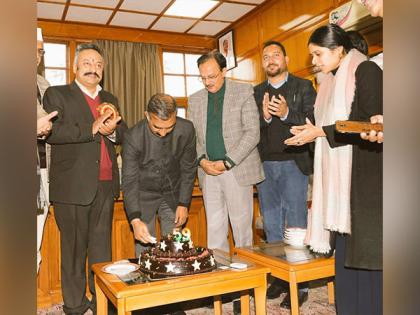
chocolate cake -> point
(176, 255)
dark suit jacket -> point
(75, 152)
(300, 97)
(158, 169)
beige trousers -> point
(225, 200)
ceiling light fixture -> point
(191, 8)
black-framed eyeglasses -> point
(41, 52)
(209, 78)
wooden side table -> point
(128, 298)
(288, 268)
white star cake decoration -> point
(170, 267)
(212, 260)
(178, 246)
(147, 264)
(196, 265)
(163, 245)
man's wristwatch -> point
(227, 165)
(202, 157)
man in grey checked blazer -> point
(226, 121)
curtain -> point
(132, 73)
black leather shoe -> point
(275, 290)
(302, 297)
(237, 307)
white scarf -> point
(330, 209)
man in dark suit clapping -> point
(84, 175)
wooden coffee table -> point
(127, 298)
(292, 265)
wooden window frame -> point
(68, 58)
(182, 101)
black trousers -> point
(357, 291)
(85, 232)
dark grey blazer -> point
(158, 169)
(75, 152)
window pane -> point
(55, 55)
(173, 63)
(56, 77)
(174, 85)
(181, 112)
(191, 64)
(193, 85)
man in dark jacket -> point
(84, 175)
(283, 101)
(159, 168)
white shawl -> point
(330, 209)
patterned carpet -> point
(317, 304)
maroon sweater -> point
(105, 164)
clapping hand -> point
(304, 134)
(104, 124)
(274, 107)
(109, 126)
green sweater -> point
(215, 145)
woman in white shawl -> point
(347, 188)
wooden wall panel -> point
(297, 49)
(270, 23)
(285, 12)
(246, 36)
(197, 222)
(122, 235)
(373, 36)
(49, 276)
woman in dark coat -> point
(347, 190)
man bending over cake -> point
(159, 168)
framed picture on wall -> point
(227, 49)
